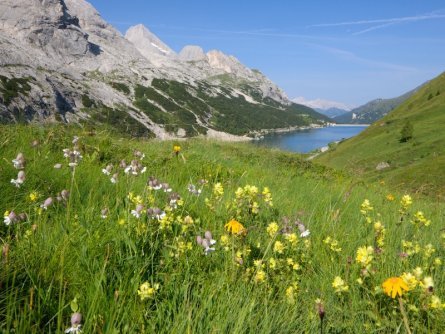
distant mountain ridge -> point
(373, 110)
(61, 62)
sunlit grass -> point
(126, 254)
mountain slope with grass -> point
(414, 162)
(373, 110)
(124, 235)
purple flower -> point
(47, 203)
(76, 319)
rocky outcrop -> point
(192, 53)
(45, 25)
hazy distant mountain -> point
(373, 110)
(331, 112)
(325, 107)
(61, 62)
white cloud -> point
(382, 23)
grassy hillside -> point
(373, 110)
(298, 249)
(416, 165)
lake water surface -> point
(304, 141)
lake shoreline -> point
(308, 139)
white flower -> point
(107, 170)
(20, 179)
(305, 234)
(19, 161)
(113, 179)
(57, 166)
(10, 218)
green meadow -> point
(119, 232)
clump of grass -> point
(201, 236)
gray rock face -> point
(192, 53)
(44, 24)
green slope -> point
(417, 164)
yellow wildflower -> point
(395, 286)
(278, 247)
(428, 283)
(218, 190)
(292, 238)
(390, 197)
(339, 285)
(272, 229)
(260, 276)
(420, 220)
(235, 227)
(225, 241)
(146, 291)
(176, 149)
(418, 272)
(406, 201)
(291, 292)
(365, 255)
(410, 280)
(272, 263)
(267, 196)
(33, 196)
(435, 303)
(365, 207)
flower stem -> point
(405, 317)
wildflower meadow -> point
(102, 234)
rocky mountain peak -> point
(148, 43)
(192, 53)
(229, 64)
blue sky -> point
(347, 51)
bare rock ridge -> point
(60, 61)
(192, 53)
(147, 42)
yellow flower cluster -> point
(267, 196)
(146, 291)
(218, 190)
(333, 244)
(366, 207)
(339, 285)
(379, 232)
(365, 256)
(278, 247)
(135, 199)
(420, 220)
(272, 229)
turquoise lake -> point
(304, 141)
